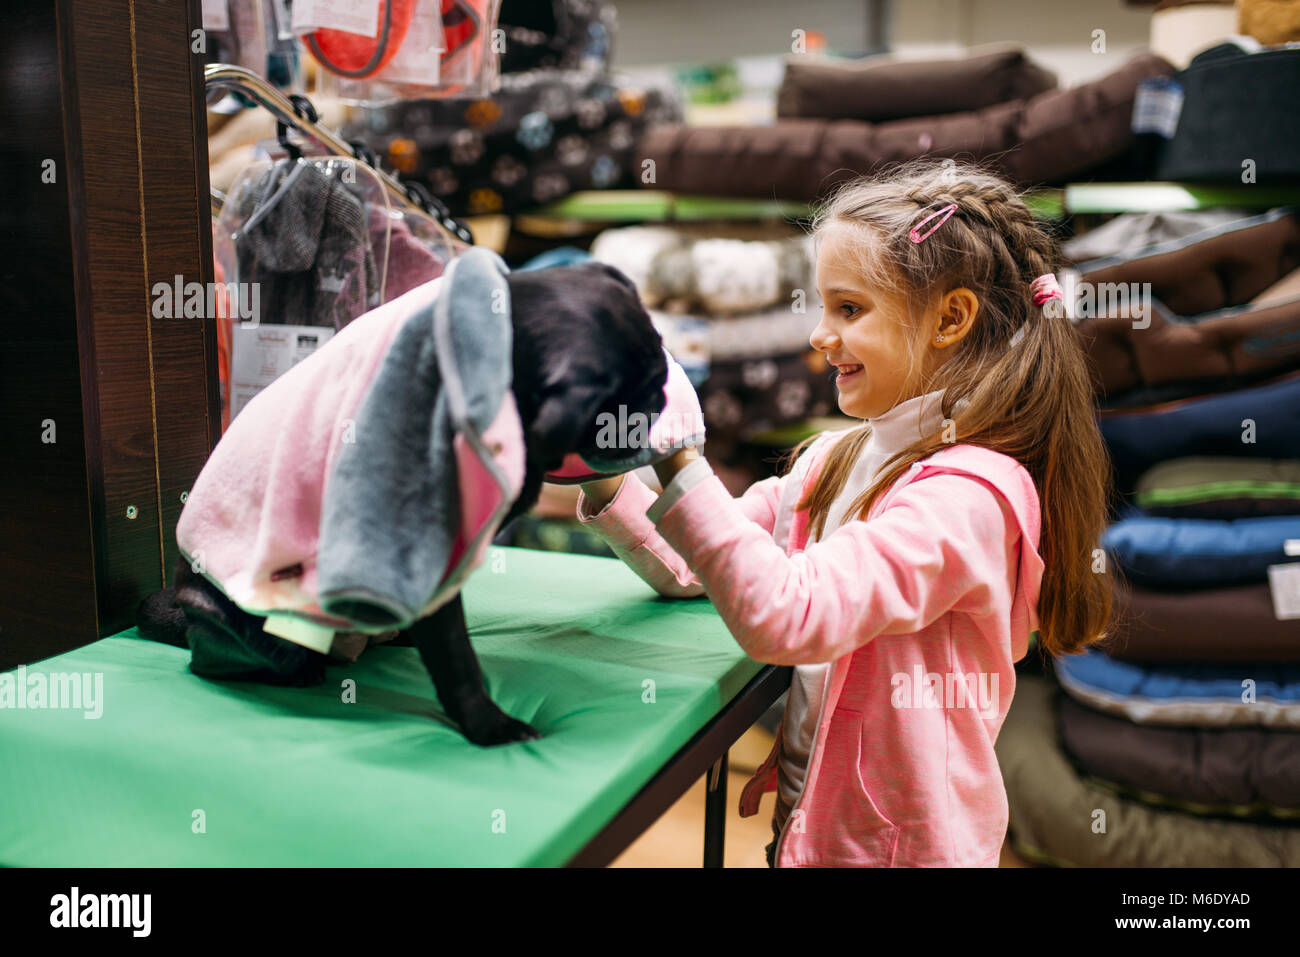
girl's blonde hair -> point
(1032, 400)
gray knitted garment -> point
(306, 242)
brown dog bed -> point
(1056, 817)
(1203, 326)
(881, 88)
(1048, 138)
(1213, 624)
(1238, 771)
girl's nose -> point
(822, 339)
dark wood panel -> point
(47, 595)
(173, 136)
(99, 76)
(111, 93)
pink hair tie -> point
(1045, 287)
(947, 211)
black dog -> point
(582, 346)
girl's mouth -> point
(849, 372)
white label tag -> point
(1284, 583)
(263, 353)
(305, 633)
(418, 60)
(1291, 547)
(216, 15)
(351, 16)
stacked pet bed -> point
(840, 118)
(1059, 813)
(1178, 742)
(1225, 311)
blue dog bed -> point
(1205, 425)
(1199, 553)
(1201, 695)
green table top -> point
(297, 777)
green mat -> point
(1152, 196)
(297, 777)
(660, 206)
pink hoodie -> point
(940, 582)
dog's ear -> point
(565, 416)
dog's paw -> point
(489, 725)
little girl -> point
(900, 565)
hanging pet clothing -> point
(362, 487)
(304, 246)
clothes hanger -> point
(288, 113)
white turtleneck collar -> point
(891, 432)
(906, 423)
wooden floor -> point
(677, 838)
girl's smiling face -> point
(865, 330)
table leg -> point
(715, 813)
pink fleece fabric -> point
(252, 519)
(942, 579)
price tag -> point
(418, 60)
(216, 15)
(263, 353)
(1284, 583)
(351, 16)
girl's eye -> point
(849, 310)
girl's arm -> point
(946, 542)
(618, 516)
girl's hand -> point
(675, 463)
(600, 492)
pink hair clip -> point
(947, 211)
(1045, 287)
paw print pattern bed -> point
(180, 771)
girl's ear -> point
(564, 417)
(957, 311)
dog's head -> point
(583, 346)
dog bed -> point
(1237, 104)
(1203, 326)
(1048, 138)
(1219, 487)
(684, 272)
(1235, 624)
(1183, 553)
(1193, 694)
(1205, 425)
(882, 87)
(1241, 771)
(616, 679)
(1057, 818)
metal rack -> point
(287, 112)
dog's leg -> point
(442, 639)
(228, 643)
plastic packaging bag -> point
(382, 51)
(252, 34)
